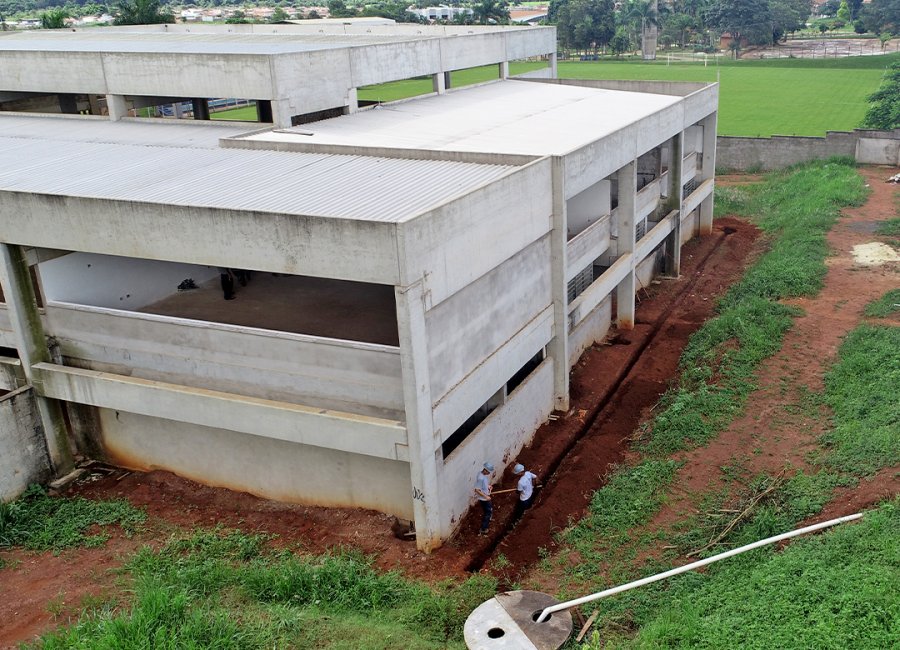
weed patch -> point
(225, 589)
(888, 304)
(40, 522)
(889, 228)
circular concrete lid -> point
(507, 621)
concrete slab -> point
(338, 309)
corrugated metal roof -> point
(352, 187)
(509, 117)
(163, 133)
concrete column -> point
(673, 202)
(708, 170)
(625, 216)
(281, 113)
(553, 67)
(200, 108)
(423, 445)
(437, 83)
(352, 102)
(116, 107)
(559, 344)
(32, 346)
(504, 69)
(447, 81)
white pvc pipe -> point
(693, 565)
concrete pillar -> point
(437, 83)
(200, 108)
(673, 202)
(503, 69)
(32, 346)
(625, 217)
(553, 67)
(352, 102)
(708, 170)
(447, 81)
(282, 112)
(116, 107)
(94, 101)
(423, 444)
(559, 344)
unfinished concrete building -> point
(425, 272)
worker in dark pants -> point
(483, 494)
(227, 280)
(525, 488)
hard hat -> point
(519, 468)
(489, 467)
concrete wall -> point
(586, 207)
(498, 439)
(7, 338)
(115, 282)
(471, 325)
(275, 469)
(347, 376)
(23, 452)
(590, 330)
(867, 147)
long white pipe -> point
(693, 565)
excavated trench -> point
(614, 386)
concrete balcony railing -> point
(361, 378)
(587, 246)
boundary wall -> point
(765, 154)
(23, 451)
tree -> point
(882, 16)
(491, 12)
(843, 11)
(855, 6)
(54, 18)
(620, 42)
(338, 9)
(884, 103)
(142, 12)
(586, 24)
(787, 16)
(743, 20)
(278, 15)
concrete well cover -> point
(507, 621)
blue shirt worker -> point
(483, 494)
(525, 487)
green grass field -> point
(757, 98)
(242, 114)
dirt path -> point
(780, 424)
(646, 359)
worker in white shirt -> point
(483, 494)
(525, 488)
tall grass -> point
(225, 589)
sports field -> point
(757, 98)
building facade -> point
(424, 273)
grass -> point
(795, 208)
(885, 306)
(861, 391)
(242, 114)
(226, 589)
(757, 98)
(835, 590)
(889, 227)
(40, 522)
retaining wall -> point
(867, 147)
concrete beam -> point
(423, 445)
(304, 425)
(31, 343)
(708, 170)
(626, 213)
(12, 375)
(559, 344)
(37, 255)
(587, 246)
(697, 198)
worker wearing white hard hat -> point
(483, 494)
(525, 488)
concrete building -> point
(427, 272)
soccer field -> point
(756, 98)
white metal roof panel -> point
(508, 117)
(352, 187)
(156, 132)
